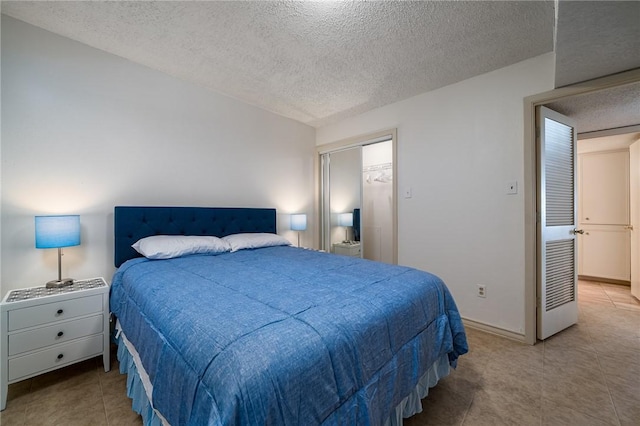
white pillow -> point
(255, 240)
(170, 246)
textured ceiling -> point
(315, 62)
(596, 38)
(320, 62)
(607, 109)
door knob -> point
(577, 231)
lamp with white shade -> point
(298, 223)
(58, 232)
(346, 220)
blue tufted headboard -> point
(132, 223)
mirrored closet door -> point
(358, 202)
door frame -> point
(634, 217)
(530, 180)
(352, 142)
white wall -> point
(457, 149)
(84, 130)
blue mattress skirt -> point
(139, 389)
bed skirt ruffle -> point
(412, 404)
(140, 390)
(131, 366)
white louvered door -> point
(557, 212)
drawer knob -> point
(60, 311)
(60, 333)
(60, 356)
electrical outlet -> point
(482, 290)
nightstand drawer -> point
(54, 357)
(57, 311)
(347, 249)
(54, 334)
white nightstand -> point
(44, 329)
(347, 249)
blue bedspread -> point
(282, 335)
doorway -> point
(357, 200)
(604, 211)
(531, 177)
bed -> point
(273, 334)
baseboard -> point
(493, 330)
(604, 280)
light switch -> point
(512, 187)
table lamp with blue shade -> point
(346, 220)
(58, 232)
(298, 223)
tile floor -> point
(587, 375)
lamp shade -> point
(57, 231)
(345, 219)
(298, 222)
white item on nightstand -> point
(347, 249)
(44, 329)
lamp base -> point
(60, 283)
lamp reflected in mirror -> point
(346, 220)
